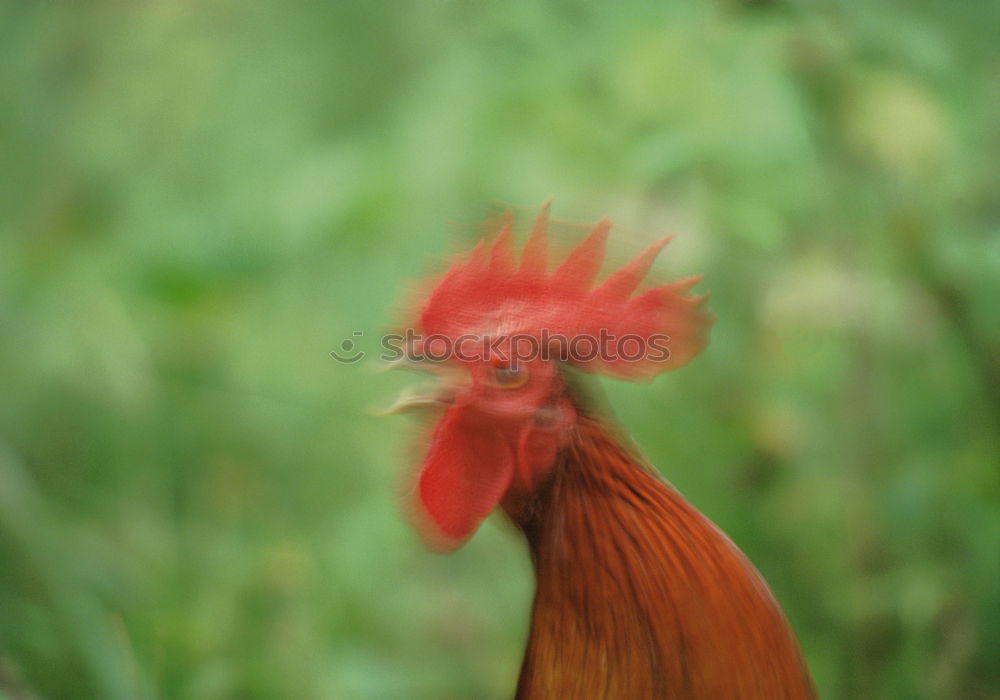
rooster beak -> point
(416, 398)
(435, 394)
(406, 362)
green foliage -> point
(198, 201)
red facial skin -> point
(499, 435)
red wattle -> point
(466, 472)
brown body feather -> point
(638, 594)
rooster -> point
(638, 595)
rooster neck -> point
(638, 594)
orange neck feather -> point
(639, 595)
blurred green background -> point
(198, 201)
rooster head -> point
(494, 331)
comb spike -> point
(501, 254)
(672, 294)
(682, 286)
(534, 257)
(579, 270)
(476, 262)
(622, 283)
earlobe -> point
(540, 441)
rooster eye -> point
(509, 377)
